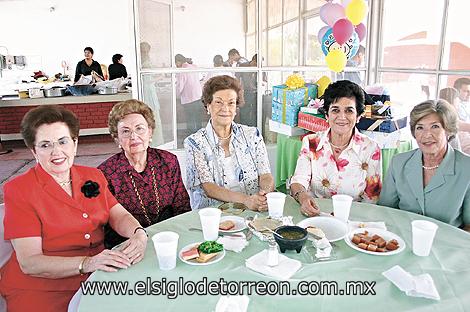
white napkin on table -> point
(362, 224)
(234, 243)
(232, 304)
(414, 286)
(283, 271)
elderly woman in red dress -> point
(54, 217)
(146, 181)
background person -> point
(434, 179)
(463, 86)
(117, 69)
(340, 160)
(87, 66)
(54, 217)
(226, 161)
(146, 181)
(188, 88)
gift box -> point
(382, 125)
(286, 102)
(312, 122)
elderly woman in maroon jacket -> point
(146, 181)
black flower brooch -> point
(90, 189)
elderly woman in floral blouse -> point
(146, 181)
(340, 160)
(226, 161)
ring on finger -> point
(305, 214)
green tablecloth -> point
(288, 149)
(447, 264)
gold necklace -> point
(339, 147)
(64, 184)
(226, 138)
(154, 184)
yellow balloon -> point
(336, 60)
(322, 84)
(356, 11)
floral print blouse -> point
(357, 172)
(205, 162)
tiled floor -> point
(20, 160)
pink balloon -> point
(361, 31)
(322, 32)
(343, 30)
(331, 12)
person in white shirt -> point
(463, 86)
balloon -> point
(322, 32)
(356, 11)
(331, 12)
(342, 30)
(361, 31)
(349, 48)
(345, 2)
(336, 60)
(322, 84)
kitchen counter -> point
(91, 110)
(70, 99)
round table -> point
(448, 265)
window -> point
(406, 32)
(457, 42)
(275, 46)
(291, 9)
(274, 12)
(314, 55)
(291, 44)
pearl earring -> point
(119, 146)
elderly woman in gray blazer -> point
(433, 180)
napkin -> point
(362, 224)
(323, 247)
(283, 271)
(233, 243)
(286, 220)
(232, 304)
(414, 286)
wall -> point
(205, 28)
(48, 36)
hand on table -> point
(134, 247)
(257, 202)
(107, 260)
(308, 206)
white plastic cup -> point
(276, 202)
(423, 235)
(166, 246)
(210, 219)
(342, 206)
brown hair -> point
(121, 109)
(47, 114)
(449, 94)
(446, 112)
(219, 83)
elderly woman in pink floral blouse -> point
(340, 160)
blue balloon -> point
(349, 48)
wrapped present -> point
(312, 122)
(382, 125)
(286, 102)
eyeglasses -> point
(127, 133)
(48, 146)
(220, 103)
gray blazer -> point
(445, 198)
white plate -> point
(217, 258)
(385, 235)
(333, 228)
(239, 224)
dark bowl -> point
(291, 244)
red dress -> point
(35, 205)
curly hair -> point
(47, 114)
(219, 83)
(343, 89)
(121, 109)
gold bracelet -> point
(80, 266)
